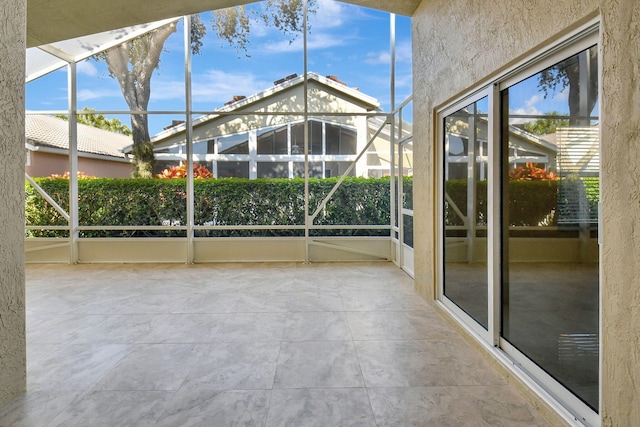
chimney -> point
(335, 79)
(236, 98)
(174, 123)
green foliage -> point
(547, 125)
(233, 25)
(407, 186)
(99, 121)
(114, 202)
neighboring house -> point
(99, 151)
(268, 145)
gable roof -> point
(280, 88)
(42, 131)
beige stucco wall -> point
(45, 164)
(12, 293)
(461, 43)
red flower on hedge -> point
(529, 172)
(199, 171)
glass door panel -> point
(550, 183)
(465, 210)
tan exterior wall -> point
(461, 43)
(12, 155)
(45, 164)
(321, 99)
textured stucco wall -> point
(461, 43)
(12, 154)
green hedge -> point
(358, 201)
(117, 202)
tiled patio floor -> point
(248, 345)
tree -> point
(580, 74)
(99, 121)
(547, 125)
(132, 63)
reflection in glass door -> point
(465, 274)
(550, 182)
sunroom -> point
(522, 201)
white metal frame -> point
(567, 405)
(74, 228)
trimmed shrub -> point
(131, 202)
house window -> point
(315, 137)
(234, 144)
(200, 147)
(337, 169)
(233, 169)
(273, 169)
(273, 141)
(340, 140)
(315, 169)
(211, 146)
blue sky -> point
(345, 40)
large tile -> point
(346, 407)
(307, 364)
(57, 302)
(228, 366)
(133, 304)
(185, 328)
(317, 326)
(118, 328)
(253, 327)
(288, 302)
(207, 303)
(429, 325)
(381, 301)
(35, 408)
(114, 408)
(196, 407)
(63, 329)
(398, 325)
(70, 367)
(481, 406)
(286, 283)
(381, 325)
(422, 363)
(151, 367)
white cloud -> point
(87, 68)
(404, 80)
(315, 41)
(216, 86)
(329, 14)
(403, 54)
(375, 58)
(528, 111)
(167, 89)
(531, 102)
(563, 95)
(87, 94)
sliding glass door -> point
(550, 182)
(518, 203)
(464, 205)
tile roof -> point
(49, 131)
